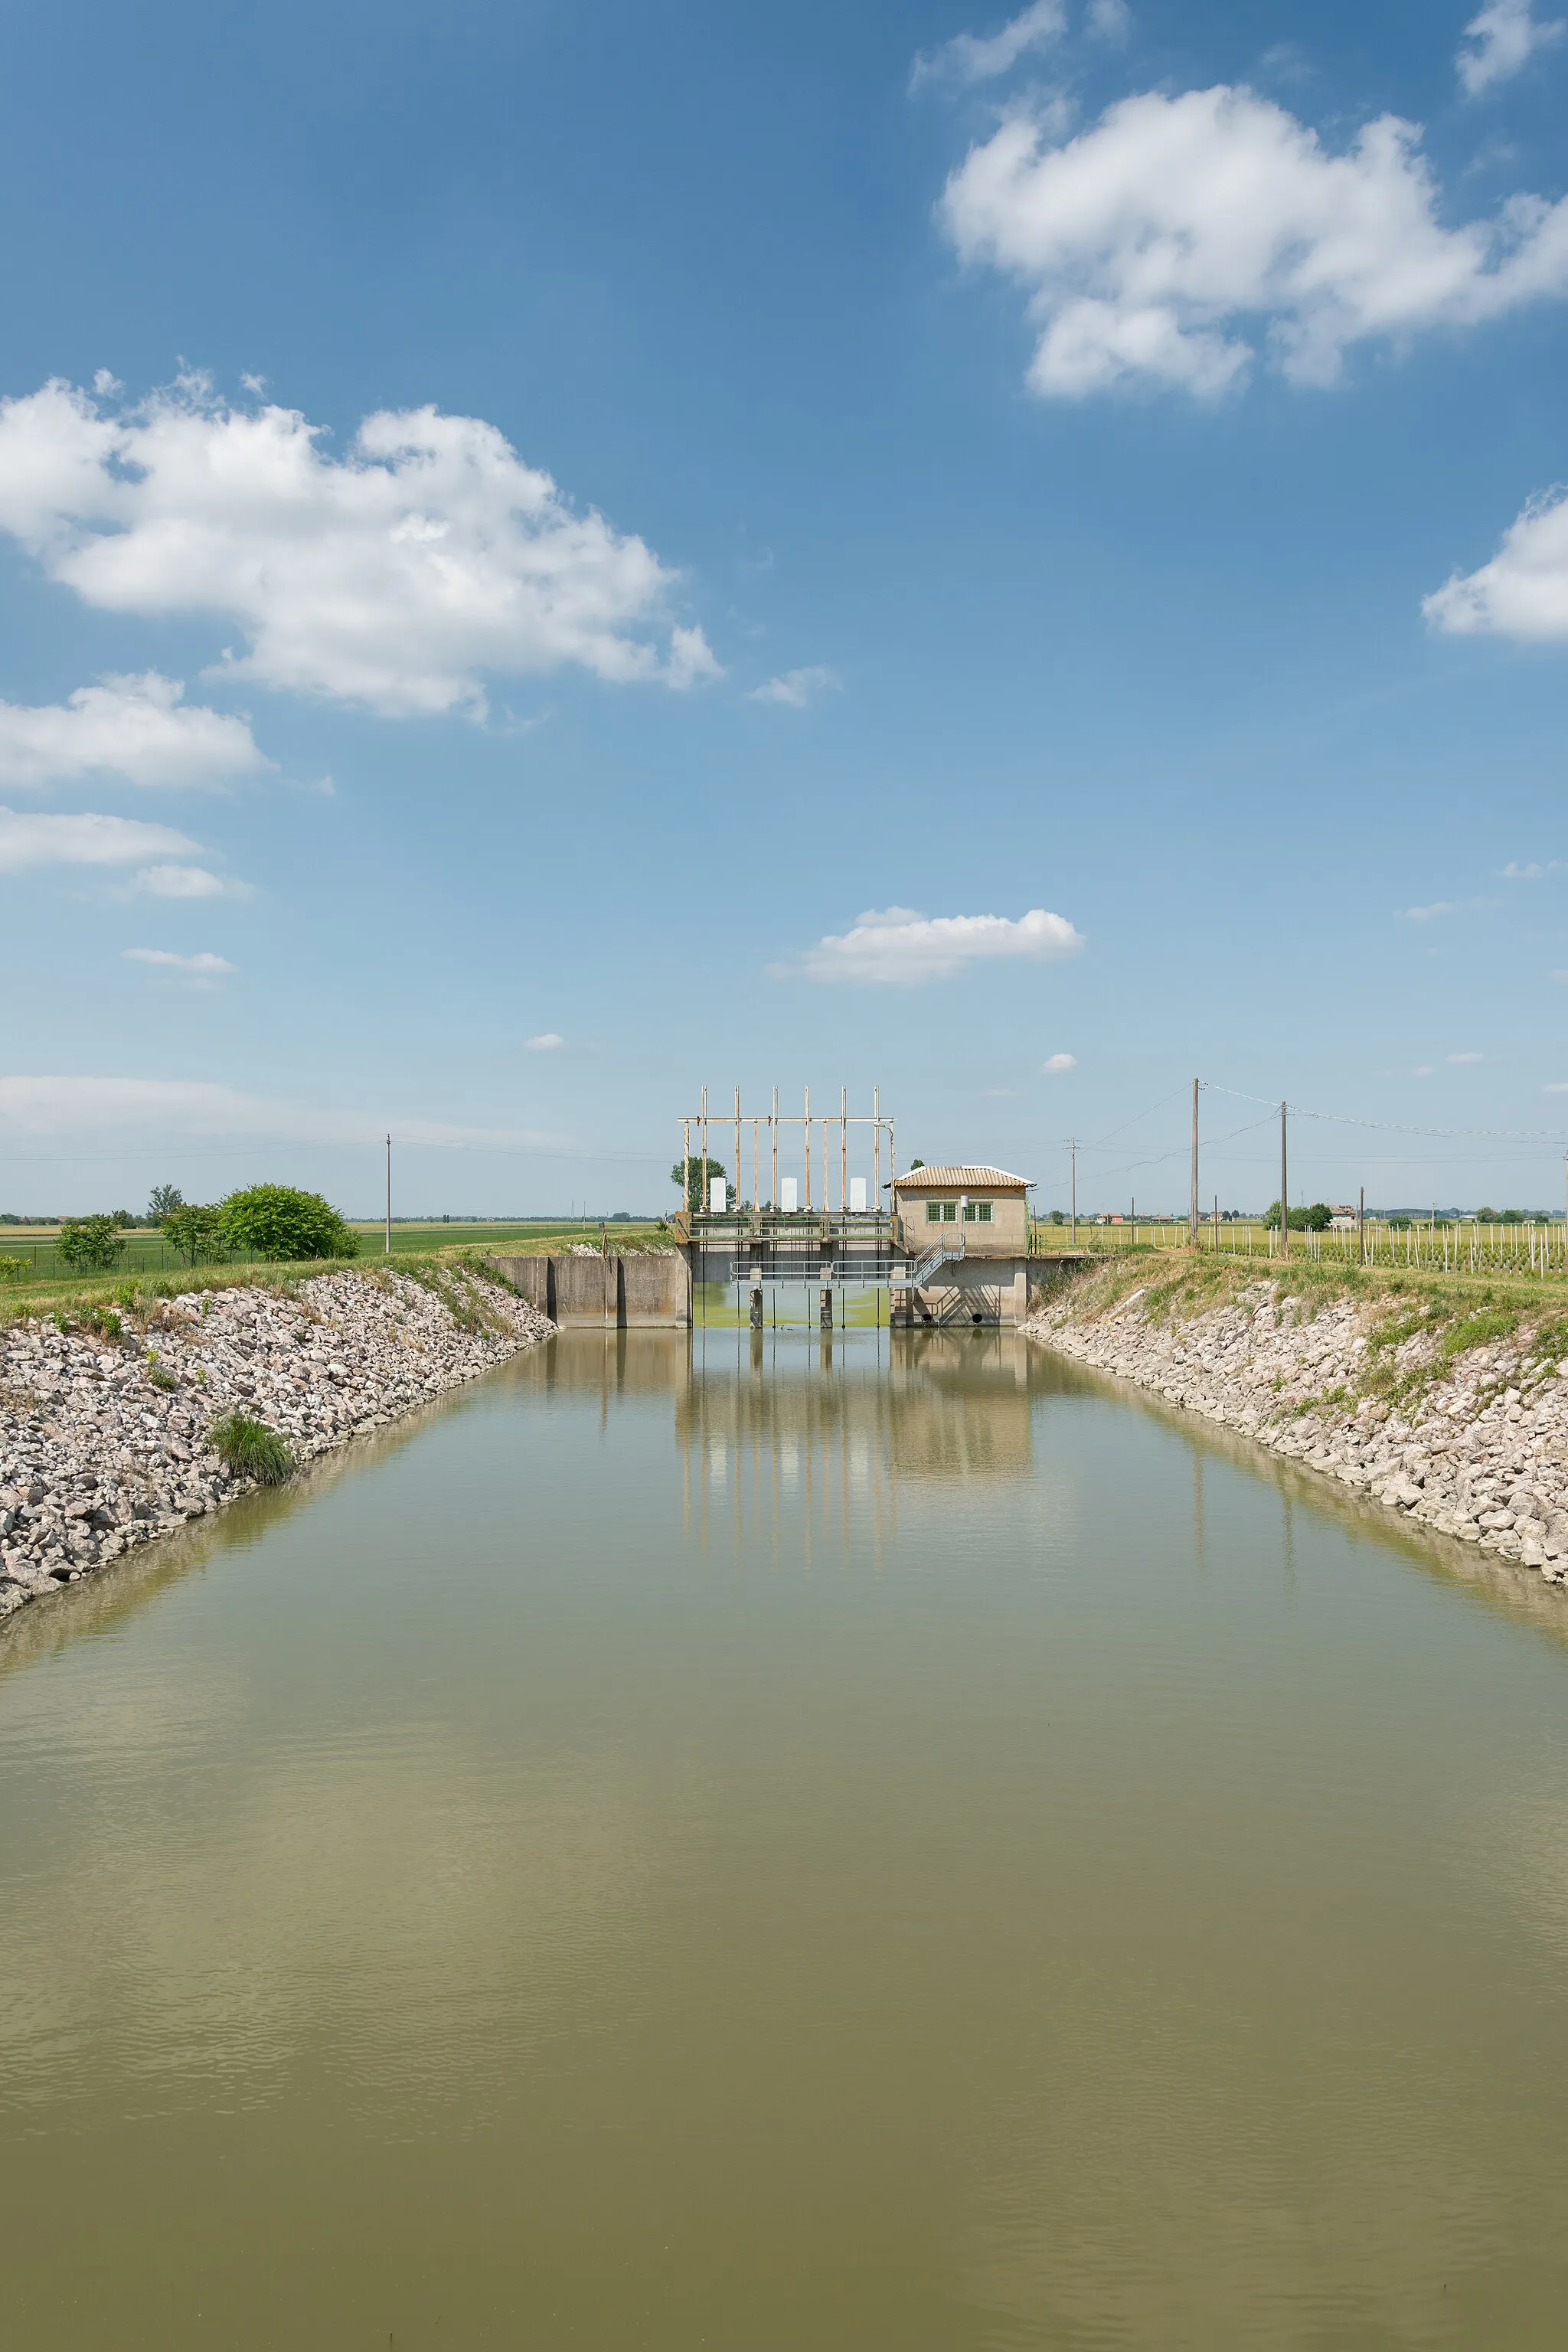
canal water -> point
(870, 1843)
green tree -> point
(162, 1199)
(274, 1221)
(90, 1245)
(1315, 1219)
(197, 1234)
(699, 1174)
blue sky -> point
(1098, 469)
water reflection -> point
(789, 1841)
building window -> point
(934, 1213)
(977, 1212)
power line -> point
(1395, 1127)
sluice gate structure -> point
(951, 1244)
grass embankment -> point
(146, 1251)
(105, 1301)
(1419, 1324)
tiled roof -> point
(944, 1180)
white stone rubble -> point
(103, 1439)
(1480, 1453)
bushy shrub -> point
(103, 1320)
(196, 1232)
(90, 1245)
(12, 1269)
(250, 1450)
(274, 1221)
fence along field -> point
(1538, 1246)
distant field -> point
(148, 1253)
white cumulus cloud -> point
(1523, 592)
(65, 1106)
(1499, 41)
(1109, 20)
(1430, 914)
(1164, 243)
(29, 840)
(1467, 1057)
(897, 944)
(198, 966)
(971, 56)
(1056, 1066)
(187, 882)
(797, 687)
(548, 1041)
(138, 729)
(392, 577)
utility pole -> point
(1284, 1192)
(1361, 1228)
(1072, 1229)
(389, 1196)
(1194, 1202)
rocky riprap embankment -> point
(1478, 1448)
(103, 1439)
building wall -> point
(1007, 1235)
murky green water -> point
(906, 1851)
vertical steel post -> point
(808, 1146)
(1284, 1190)
(842, 1149)
(1195, 1201)
(388, 1252)
(877, 1151)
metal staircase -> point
(942, 1252)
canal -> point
(782, 1843)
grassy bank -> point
(80, 1297)
(145, 1251)
(1445, 1315)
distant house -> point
(1343, 1219)
(989, 1206)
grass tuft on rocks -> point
(249, 1449)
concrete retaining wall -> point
(651, 1291)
